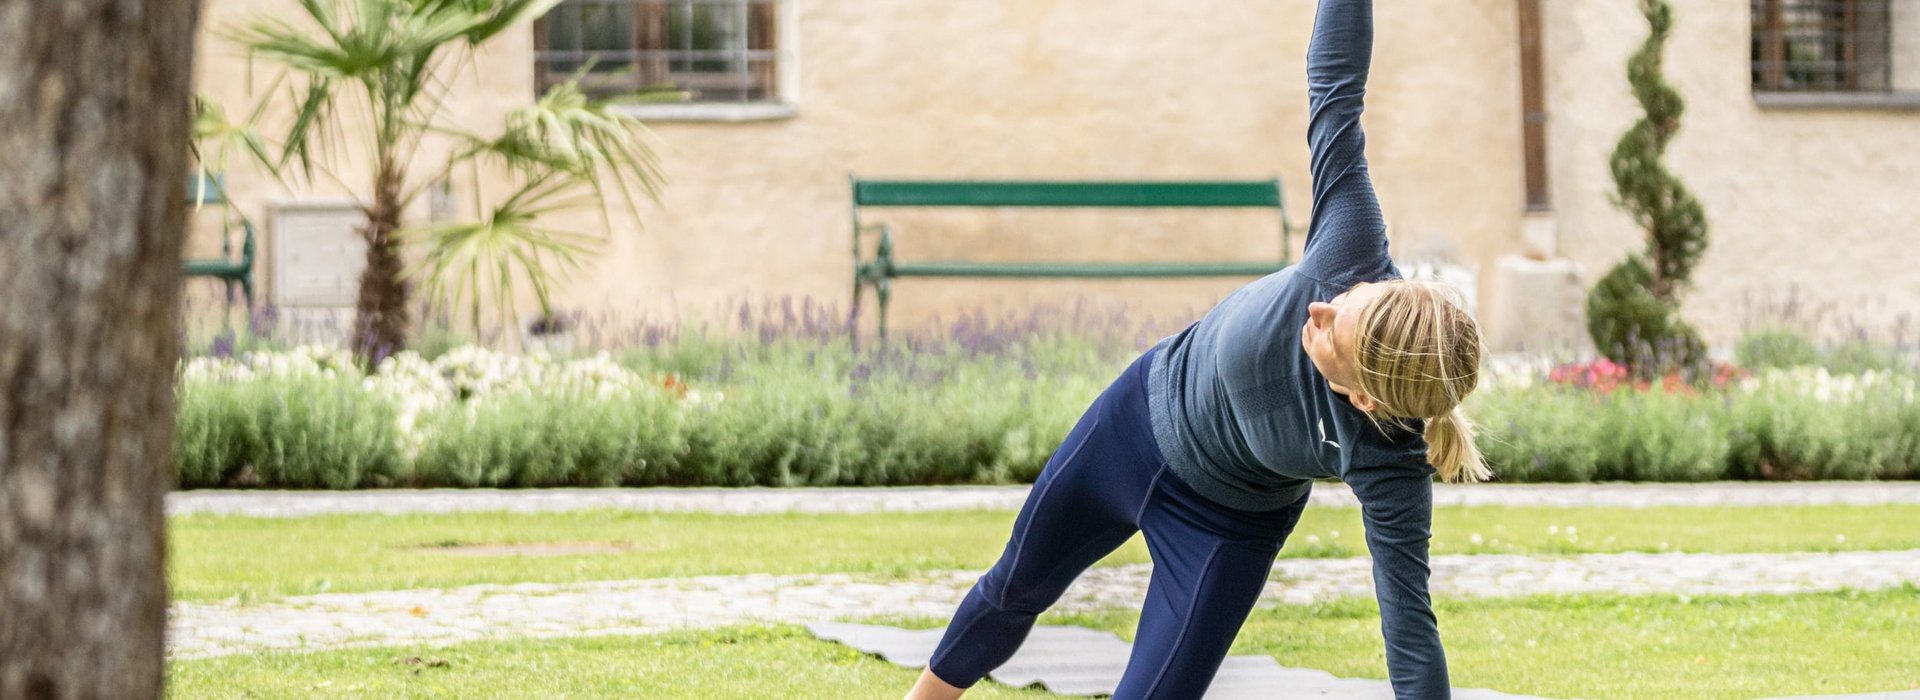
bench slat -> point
(214, 267)
(1049, 193)
(1086, 269)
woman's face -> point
(1331, 338)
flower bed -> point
(799, 411)
(310, 419)
(1783, 423)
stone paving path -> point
(653, 605)
(912, 499)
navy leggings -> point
(1106, 482)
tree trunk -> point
(94, 126)
(381, 318)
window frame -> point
(780, 79)
(1852, 81)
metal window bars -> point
(1822, 46)
(713, 50)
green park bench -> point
(211, 190)
(880, 271)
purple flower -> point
(223, 344)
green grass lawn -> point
(1626, 646)
(1654, 647)
(219, 557)
(778, 662)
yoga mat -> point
(1083, 662)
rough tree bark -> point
(381, 318)
(94, 126)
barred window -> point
(715, 51)
(1822, 46)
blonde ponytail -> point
(1451, 450)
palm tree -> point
(390, 61)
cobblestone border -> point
(338, 620)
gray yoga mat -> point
(1080, 661)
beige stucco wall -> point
(1821, 200)
(1053, 89)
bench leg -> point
(226, 313)
(853, 313)
(883, 290)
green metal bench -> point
(880, 271)
(211, 190)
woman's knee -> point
(1011, 593)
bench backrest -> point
(210, 189)
(1048, 194)
(1053, 193)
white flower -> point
(214, 369)
(461, 379)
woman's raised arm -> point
(1347, 236)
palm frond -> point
(507, 239)
(214, 136)
(567, 131)
(316, 110)
(370, 43)
(509, 14)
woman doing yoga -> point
(1209, 443)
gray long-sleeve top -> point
(1246, 418)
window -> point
(714, 51)
(1822, 46)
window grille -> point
(1822, 46)
(713, 50)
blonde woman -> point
(1210, 442)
